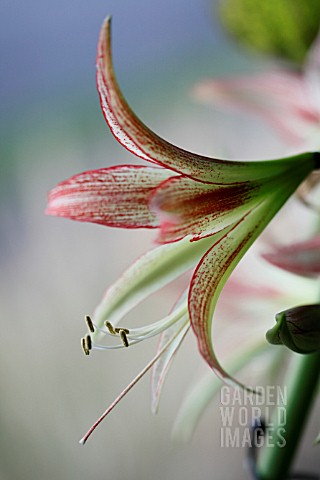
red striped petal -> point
(302, 258)
(140, 140)
(116, 196)
(187, 207)
(205, 288)
(218, 263)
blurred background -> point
(54, 271)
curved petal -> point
(302, 258)
(186, 207)
(279, 96)
(116, 196)
(140, 140)
(206, 285)
(148, 274)
(218, 263)
(161, 367)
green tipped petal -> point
(161, 367)
(148, 274)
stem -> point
(275, 459)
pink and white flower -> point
(208, 212)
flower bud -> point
(298, 329)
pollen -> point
(110, 328)
(123, 336)
(89, 323)
(88, 342)
(120, 329)
(84, 346)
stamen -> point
(155, 328)
(110, 327)
(133, 383)
(88, 341)
(89, 323)
(97, 346)
(84, 346)
(120, 329)
(123, 336)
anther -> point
(120, 329)
(89, 323)
(88, 342)
(84, 346)
(123, 336)
(110, 327)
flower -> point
(288, 100)
(208, 212)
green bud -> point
(281, 28)
(298, 329)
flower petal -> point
(208, 280)
(161, 367)
(148, 274)
(302, 258)
(279, 96)
(188, 207)
(218, 263)
(116, 196)
(140, 140)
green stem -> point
(275, 459)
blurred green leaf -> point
(282, 28)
